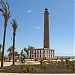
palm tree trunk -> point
(0, 48)
(43, 53)
(3, 47)
(13, 46)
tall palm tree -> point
(0, 47)
(0, 51)
(6, 14)
(14, 25)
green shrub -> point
(41, 61)
(71, 65)
(28, 67)
(44, 64)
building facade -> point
(44, 52)
(41, 53)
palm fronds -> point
(14, 24)
(5, 9)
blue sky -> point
(30, 18)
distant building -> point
(44, 52)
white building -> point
(40, 53)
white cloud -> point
(29, 11)
(37, 27)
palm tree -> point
(17, 56)
(16, 53)
(14, 25)
(0, 51)
(30, 48)
(6, 14)
(10, 50)
(0, 47)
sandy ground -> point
(31, 74)
(17, 63)
(8, 63)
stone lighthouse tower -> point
(46, 51)
(46, 28)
